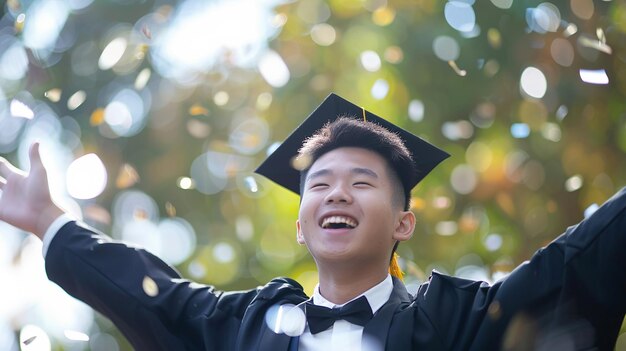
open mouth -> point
(339, 222)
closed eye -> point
(362, 184)
(317, 185)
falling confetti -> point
(574, 183)
(29, 340)
(126, 177)
(301, 162)
(198, 110)
(457, 70)
(170, 209)
(142, 78)
(97, 117)
(19, 22)
(394, 54)
(150, 287)
(600, 34)
(279, 20)
(54, 95)
(251, 184)
(146, 32)
(594, 76)
(76, 100)
(97, 213)
(595, 44)
(76, 335)
(494, 37)
(112, 53)
(186, 183)
(494, 311)
(570, 30)
(383, 16)
(20, 109)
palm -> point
(25, 199)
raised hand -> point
(25, 201)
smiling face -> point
(348, 211)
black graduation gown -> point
(570, 295)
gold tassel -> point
(394, 267)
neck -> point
(342, 285)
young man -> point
(354, 178)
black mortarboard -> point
(279, 168)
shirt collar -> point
(376, 296)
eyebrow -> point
(356, 170)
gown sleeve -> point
(144, 297)
(570, 295)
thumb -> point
(34, 156)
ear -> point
(405, 226)
(299, 235)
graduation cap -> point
(279, 167)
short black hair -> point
(349, 132)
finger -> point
(35, 157)
(6, 168)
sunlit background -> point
(153, 114)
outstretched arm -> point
(146, 299)
(25, 201)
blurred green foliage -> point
(501, 196)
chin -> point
(337, 255)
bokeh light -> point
(457, 130)
(533, 82)
(583, 9)
(493, 242)
(520, 130)
(178, 240)
(112, 53)
(33, 338)
(86, 177)
(464, 179)
(273, 69)
(460, 15)
(125, 114)
(13, 58)
(380, 89)
(76, 99)
(546, 17)
(250, 136)
(503, 4)
(446, 48)
(594, 76)
(20, 109)
(416, 110)
(45, 22)
(562, 52)
(370, 61)
(323, 34)
(201, 33)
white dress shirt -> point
(52, 230)
(344, 335)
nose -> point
(339, 194)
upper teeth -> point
(338, 219)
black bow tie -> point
(321, 318)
